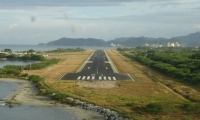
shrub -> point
(24, 75)
(59, 96)
(192, 108)
(35, 78)
(132, 104)
(12, 71)
(154, 108)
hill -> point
(192, 39)
(77, 42)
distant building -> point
(168, 44)
(115, 45)
(172, 45)
(177, 44)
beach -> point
(26, 94)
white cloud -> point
(15, 25)
(196, 26)
(10, 4)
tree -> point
(31, 51)
(8, 50)
(2, 55)
(12, 56)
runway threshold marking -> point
(100, 78)
(104, 77)
(93, 77)
(88, 77)
(114, 78)
(79, 77)
(109, 78)
(83, 78)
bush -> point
(24, 75)
(43, 64)
(12, 71)
(154, 108)
(192, 108)
(132, 104)
(59, 96)
(35, 78)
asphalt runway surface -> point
(97, 67)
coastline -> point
(27, 94)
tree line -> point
(180, 63)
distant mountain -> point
(77, 42)
(192, 39)
(134, 42)
(152, 39)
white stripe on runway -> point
(114, 78)
(100, 78)
(88, 77)
(109, 78)
(104, 77)
(93, 77)
(83, 78)
(79, 77)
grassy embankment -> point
(130, 99)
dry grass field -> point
(71, 62)
(126, 97)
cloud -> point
(60, 3)
(196, 26)
(15, 25)
(166, 4)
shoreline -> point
(26, 94)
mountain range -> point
(192, 39)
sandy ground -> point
(27, 94)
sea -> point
(28, 112)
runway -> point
(98, 67)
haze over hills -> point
(192, 39)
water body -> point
(28, 112)
(6, 88)
(15, 62)
(25, 112)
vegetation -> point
(2, 55)
(67, 50)
(180, 63)
(137, 100)
(7, 50)
(15, 70)
(42, 64)
(35, 78)
(154, 108)
(33, 57)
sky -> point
(42, 21)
